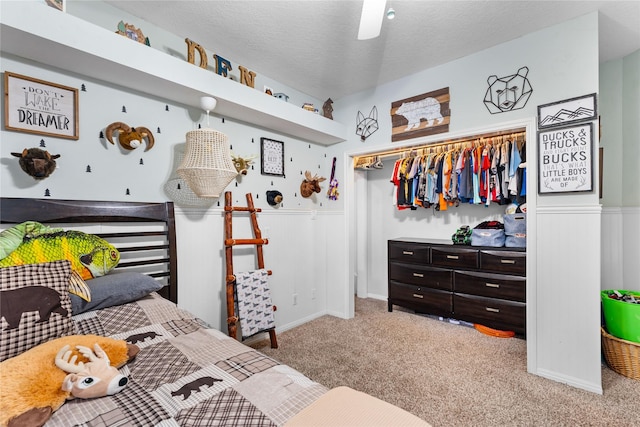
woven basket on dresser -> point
(621, 355)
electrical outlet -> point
(295, 299)
(313, 293)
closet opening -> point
(372, 219)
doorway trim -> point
(356, 219)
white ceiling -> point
(312, 45)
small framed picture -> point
(569, 111)
(565, 159)
(40, 107)
(272, 157)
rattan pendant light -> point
(179, 191)
(207, 167)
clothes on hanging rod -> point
(367, 163)
(480, 172)
(442, 146)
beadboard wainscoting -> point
(612, 243)
(620, 248)
(298, 253)
(568, 294)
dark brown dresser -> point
(476, 284)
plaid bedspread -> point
(186, 375)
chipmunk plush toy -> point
(37, 382)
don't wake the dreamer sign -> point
(37, 106)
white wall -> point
(298, 251)
(631, 175)
(619, 109)
(563, 63)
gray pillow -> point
(115, 288)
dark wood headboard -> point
(152, 252)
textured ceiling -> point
(312, 45)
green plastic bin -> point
(622, 318)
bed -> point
(185, 373)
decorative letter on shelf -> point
(222, 66)
(246, 77)
(191, 48)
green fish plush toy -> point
(31, 242)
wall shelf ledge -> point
(66, 42)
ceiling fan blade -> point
(371, 19)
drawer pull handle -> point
(492, 285)
(508, 261)
(493, 310)
(452, 257)
(418, 296)
(418, 275)
(407, 253)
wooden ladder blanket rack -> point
(229, 243)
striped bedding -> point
(186, 375)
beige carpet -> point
(448, 375)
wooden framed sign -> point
(420, 115)
(36, 106)
(565, 159)
(272, 157)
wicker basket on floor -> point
(621, 355)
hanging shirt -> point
(454, 175)
(476, 154)
(465, 192)
(504, 169)
(514, 162)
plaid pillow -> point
(35, 306)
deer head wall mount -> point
(311, 184)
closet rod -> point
(401, 150)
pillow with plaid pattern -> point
(34, 306)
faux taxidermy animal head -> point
(242, 163)
(36, 162)
(129, 138)
(311, 184)
(365, 126)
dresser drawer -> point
(422, 276)
(490, 285)
(421, 299)
(497, 314)
(408, 252)
(453, 257)
(506, 262)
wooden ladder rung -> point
(232, 277)
(234, 242)
(242, 209)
